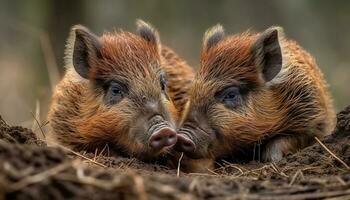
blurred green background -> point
(33, 34)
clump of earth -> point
(29, 169)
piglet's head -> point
(127, 103)
(230, 94)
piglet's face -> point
(128, 105)
(229, 98)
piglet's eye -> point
(115, 93)
(230, 97)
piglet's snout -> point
(163, 137)
(184, 144)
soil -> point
(29, 169)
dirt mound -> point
(343, 120)
(17, 134)
(31, 170)
(316, 157)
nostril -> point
(157, 143)
(185, 144)
(172, 136)
(162, 138)
(188, 146)
(171, 140)
(157, 139)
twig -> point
(37, 115)
(95, 154)
(254, 171)
(130, 162)
(39, 177)
(102, 151)
(179, 164)
(219, 164)
(341, 180)
(82, 156)
(41, 130)
(140, 187)
(329, 151)
(201, 174)
(239, 169)
(193, 184)
(106, 185)
(234, 166)
(211, 171)
(12, 171)
(93, 181)
(294, 177)
(274, 167)
(44, 124)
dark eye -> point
(230, 97)
(162, 82)
(115, 93)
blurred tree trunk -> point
(63, 14)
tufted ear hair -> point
(147, 32)
(82, 48)
(213, 36)
(267, 52)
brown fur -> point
(285, 113)
(80, 118)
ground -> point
(31, 170)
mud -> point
(31, 170)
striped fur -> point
(80, 118)
(284, 113)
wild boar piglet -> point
(254, 88)
(121, 89)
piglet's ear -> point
(84, 48)
(147, 32)
(267, 52)
(213, 36)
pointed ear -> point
(147, 32)
(83, 47)
(267, 52)
(213, 36)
